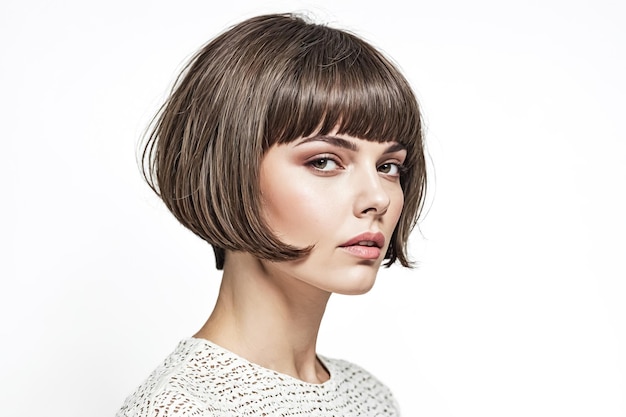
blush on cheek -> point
(296, 214)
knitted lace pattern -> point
(201, 379)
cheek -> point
(396, 207)
(296, 210)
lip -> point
(377, 241)
(377, 238)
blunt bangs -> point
(336, 82)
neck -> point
(268, 318)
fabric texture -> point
(202, 379)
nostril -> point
(376, 210)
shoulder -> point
(163, 404)
(362, 387)
(174, 388)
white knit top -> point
(202, 379)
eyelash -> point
(401, 169)
(328, 158)
(321, 158)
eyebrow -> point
(346, 144)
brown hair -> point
(272, 79)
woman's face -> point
(340, 194)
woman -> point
(296, 151)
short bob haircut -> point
(270, 80)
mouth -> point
(369, 239)
(365, 246)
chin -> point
(355, 291)
(356, 282)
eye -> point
(390, 168)
(324, 164)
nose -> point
(372, 198)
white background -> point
(518, 307)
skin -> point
(338, 187)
